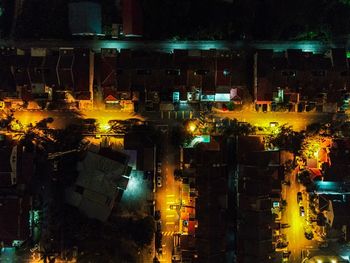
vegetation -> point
(285, 138)
(235, 128)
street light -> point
(191, 127)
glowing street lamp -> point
(105, 127)
(192, 127)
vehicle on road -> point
(285, 256)
(174, 207)
(157, 215)
(159, 167)
(282, 244)
(158, 240)
(273, 124)
(299, 197)
(159, 226)
(159, 181)
(284, 225)
(55, 165)
(302, 211)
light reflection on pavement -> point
(295, 233)
(168, 195)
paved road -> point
(168, 194)
(295, 234)
(168, 46)
(299, 121)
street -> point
(166, 195)
(295, 233)
(299, 120)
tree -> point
(142, 231)
(180, 136)
(286, 138)
(235, 128)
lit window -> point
(226, 72)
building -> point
(103, 176)
(132, 18)
(16, 171)
(213, 231)
(85, 18)
(258, 179)
(295, 80)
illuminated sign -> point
(176, 96)
(222, 97)
(207, 97)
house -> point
(259, 176)
(295, 80)
(7, 86)
(16, 169)
(39, 90)
(145, 149)
(83, 76)
(14, 222)
(212, 203)
(103, 176)
(132, 18)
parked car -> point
(159, 181)
(159, 167)
(159, 226)
(285, 256)
(157, 215)
(299, 197)
(302, 211)
(158, 240)
(284, 225)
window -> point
(226, 72)
(174, 72)
(318, 73)
(201, 72)
(143, 72)
(289, 73)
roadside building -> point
(16, 171)
(7, 82)
(132, 18)
(294, 80)
(103, 176)
(259, 177)
(85, 18)
(213, 231)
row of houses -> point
(291, 80)
(16, 203)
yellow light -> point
(192, 127)
(105, 127)
(334, 261)
(319, 261)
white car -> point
(159, 168)
(159, 181)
